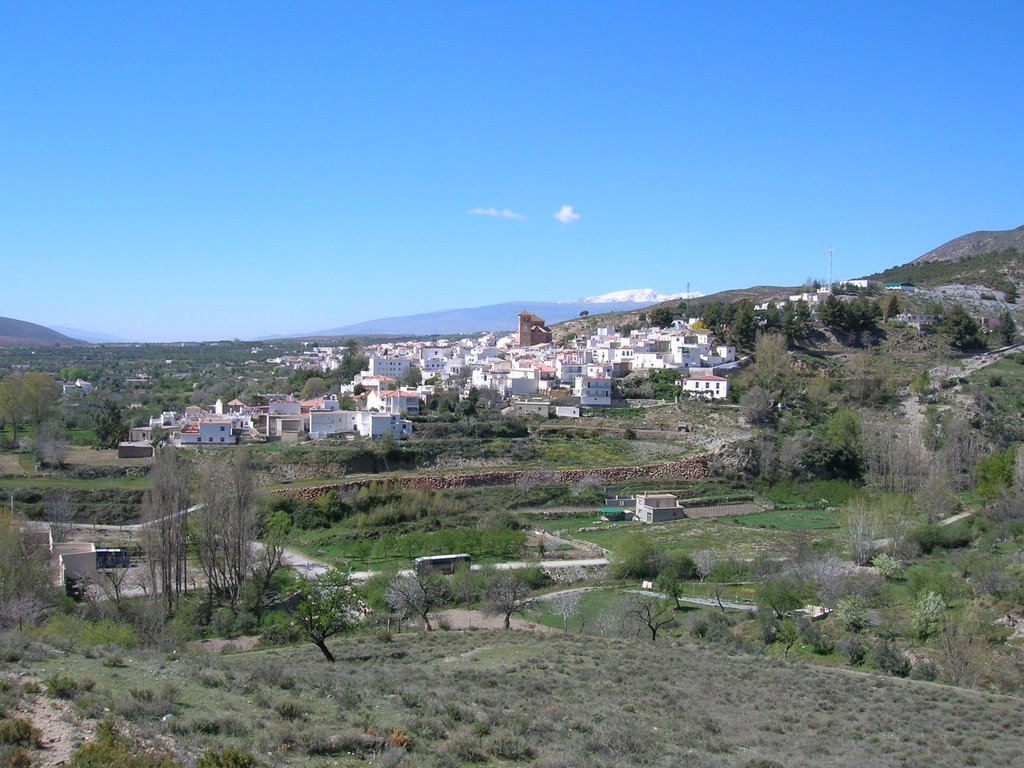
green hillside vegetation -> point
(1000, 270)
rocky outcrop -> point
(693, 468)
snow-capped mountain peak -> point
(638, 295)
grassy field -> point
(509, 698)
(342, 547)
(740, 537)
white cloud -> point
(504, 213)
(567, 215)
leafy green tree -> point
(888, 566)
(12, 402)
(661, 317)
(796, 320)
(995, 473)
(637, 558)
(788, 635)
(962, 330)
(782, 594)
(832, 312)
(743, 328)
(1007, 328)
(40, 392)
(772, 368)
(921, 386)
(327, 607)
(109, 426)
(413, 377)
(315, 386)
(891, 305)
(862, 314)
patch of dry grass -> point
(502, 698)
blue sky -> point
(206, 171)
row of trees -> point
(221, 530)
(27, 398)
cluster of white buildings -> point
(540, 378)
(524, 374)
(283, 419)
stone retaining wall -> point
(694, 468)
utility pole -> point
(830, 270)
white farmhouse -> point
(710, 387)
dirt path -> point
(914, 409)
(62, 732)
(460, 618)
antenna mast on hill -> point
(830, 269)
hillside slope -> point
(21, 332)
(511, 698)
(975, 244)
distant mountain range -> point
(22, 332)
(497, 317)
(93, 337)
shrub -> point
(19, 732)
(924, 669)
(229, 757)
(61, 686)
(812, 634)
(14, 757)
(507, 745)
(853, 648)
(289, 709)
(111, 748)
(888, 658)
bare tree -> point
(618, 621)
(705, 561)
(225, 526)
(958, 653)
(50, 444)
(166, 509)
(464, 584)
(507, 593)
(756, 405)
(893, 457)
(417, 595)
(651, 612)
(60, 511)
(861, 529)
(567, 605)
(267, 559)
(24, 575)
(935, 498)
(961, 448)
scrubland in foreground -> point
(504, 698)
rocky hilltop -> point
(975, 244)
